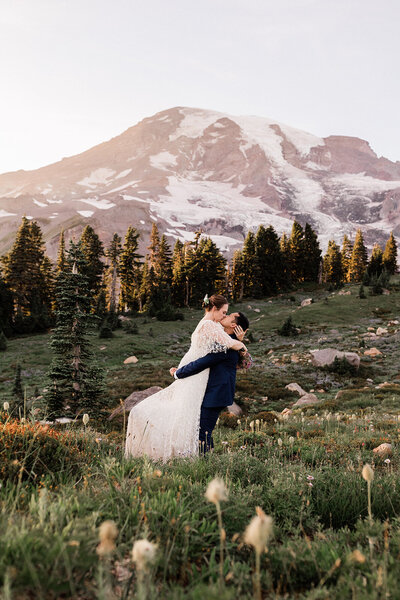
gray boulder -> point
(306, 399)
(134, 399)
(325, 357)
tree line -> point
(120, 279)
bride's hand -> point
(243, 348)
(238, 331)
(172, 371)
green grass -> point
(48, 539)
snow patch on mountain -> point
(41, 204)
(123, 174)
(163, 160)
(97, 177)
(4, 213)
(360, 182)
(85, 213)
(102, 204)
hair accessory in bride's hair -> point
(206, 300)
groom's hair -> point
(243, 321)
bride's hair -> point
(214, 300)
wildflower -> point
(85, 419)
(367, 473)
(387, 461)
(257, 534)
(291, 440)
(6, 406)
(280, 442)
(143, 554)
(252, 426)
(357, 556)
(216, 491)
(259, 531)
(310, 478)
(108, 533)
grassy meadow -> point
(58, 485)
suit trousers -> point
(208, 419)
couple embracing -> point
(171, 422)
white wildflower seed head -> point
(108, 533)
(216, 491)
(291, 440)
(143, 554)
(259, 531)
(280, 442)
(367, 473)
(6, 406)
(85, 419)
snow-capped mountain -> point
(188, 168)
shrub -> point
(341, 366)
(130, 327)
(288, 329)
(28, 451)
(228, 420)
(105, 330)
(3, 342)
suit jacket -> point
(220, 389)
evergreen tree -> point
(154, 248)
(249, 265)
(269, 267)
(347, 250)
(178, 274)
(237, 276)
(359, 258)
(28, 275)
(76, 381)
(129, 269)
(389, 257)
(93, 252)
(332, 264)
(3, 341)
(6, 307)
(17, 390)
(61, 264)
(285, 254)
(296, 253)
(165, 262)
(312, 255)
(113, 254)
(375, 264)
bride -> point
(167, 424)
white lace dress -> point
(167, 424)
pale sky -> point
(75, 73)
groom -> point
(220, 389)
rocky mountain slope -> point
(188, 168)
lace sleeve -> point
(213, 338)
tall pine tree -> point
(346, 252)
(389, 257)
(312, 255)
(76, 382)
(359, 258)
(332, 264)
(296, 253)
(130, 271)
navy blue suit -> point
(220, 391)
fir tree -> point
(113, 254)
(359, 258)
(285, 254)
(6, 307)
(347, 250)
(93, 252)
(129, 269)
(269, 268)
(333, 265)
(312, 254)
(76, 381)
(296, 253)
(165, 262)
(17, 390)
(237, 276)
(154, 248)
(389, 257)
(61, 264)
(375, 264)
(178, 274)
(249, 265)
(3, 341)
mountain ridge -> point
(188, 168)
